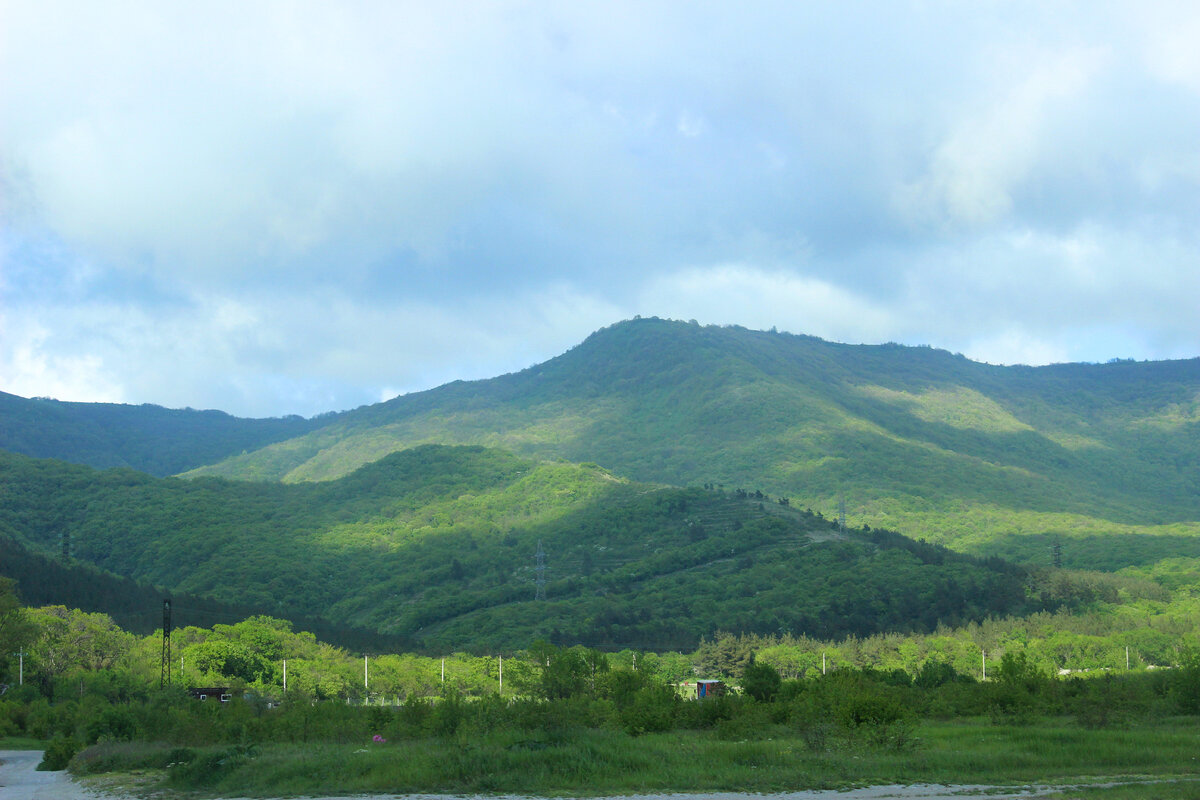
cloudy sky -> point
(276, 207)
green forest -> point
(283, 712)
(152, 439)
(435, 547)
(912, 439)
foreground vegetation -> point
(583, 761)
(549, 720)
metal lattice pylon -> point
(540, 581)
(164, 677)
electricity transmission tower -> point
(540, 582)
(164, 676)
(842, 515)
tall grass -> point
(585, 761)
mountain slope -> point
(137, 607)
(435, 547)
(148, 438)
(970, 454)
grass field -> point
(21, 743)
(596, 762)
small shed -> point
(204, 693)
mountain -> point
(436, 547)
(137, 607)
(148, 438)
(983, 458)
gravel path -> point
(20, 780)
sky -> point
(276, 208)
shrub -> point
(652, 709)
(208, 768)
(752, 723)
(114, 724)
(761, 681)
(877, 715)
(127, 756)
(1185, 683)
(58, 753)
(447, 714)
(935, 673)
(11, 718)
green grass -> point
(592, 762)
(21, 743)
(1166, 789)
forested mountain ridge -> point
(50, 580)
(984, 458)
(148, 438)
(435, 547)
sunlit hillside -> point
(438, 547)
(986, 459)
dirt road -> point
(20, 780)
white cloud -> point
(276, 353)
(689, 125)
(752, 296)
(30, 366)
(295, 207)
(1015, 346)
(972, 172)
(1169, 32)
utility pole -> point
(164, 677)
(984, 656)
(21, 674)
(501, 675)
(541, 573)
(285, 676)
(365, 672)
